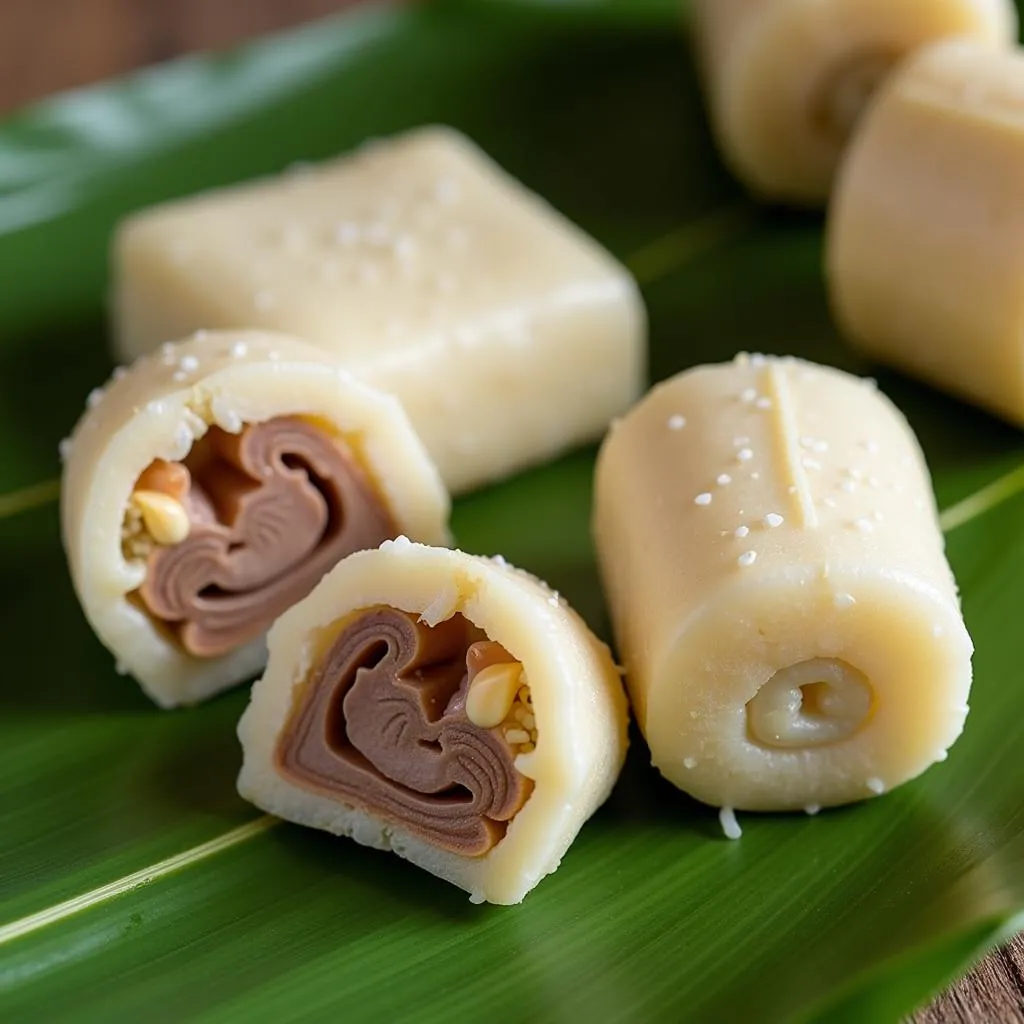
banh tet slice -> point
(788, 623)
(506, 332)
(925, 237)
(446, 707)
(788, 80)
(212, 484)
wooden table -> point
(49, 45)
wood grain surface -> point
(50, 45)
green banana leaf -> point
(135, 884)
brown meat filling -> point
(272, 509)
(381, 725)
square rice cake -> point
(508, 334)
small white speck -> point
(182, 443)
(844, 600)
(723, 479)
(791, 489)
(773, 519)
(178, 376)
(741, 440)
(446, 191)
(812, 809)
(676, 422)
(346, 233)
(189, 364)
(702, 499)
(404, 248)
(744, 455)
(757, 359)
(401, 541)
(120, 668)
(273, 355)
(730, 826)
(871, 447)
(264, 298)
(553, 601)
(167, 349)
(941, 755)
(119, 372)
(937, 630)
(192, 422)
(848, 486)
(747, 559)
(378, 234)
(94, 397)
(809, 463)
(864, 525)
(873, 481)
(853, 474)
(239, 349)
(763, 403)
(225, 416)
(829, 502)
(878, 516)
(755, 476)
(689, 762)
(741, 532)
(64, 449)
(919, 503)
(876, 785)
(499, 560)
(748, 395)
(155, 407)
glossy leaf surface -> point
(186, 904)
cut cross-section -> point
(271, 510)
(381, 724)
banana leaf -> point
(135, 884)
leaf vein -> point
(27, 498)
(51, 915)
(671, 251)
